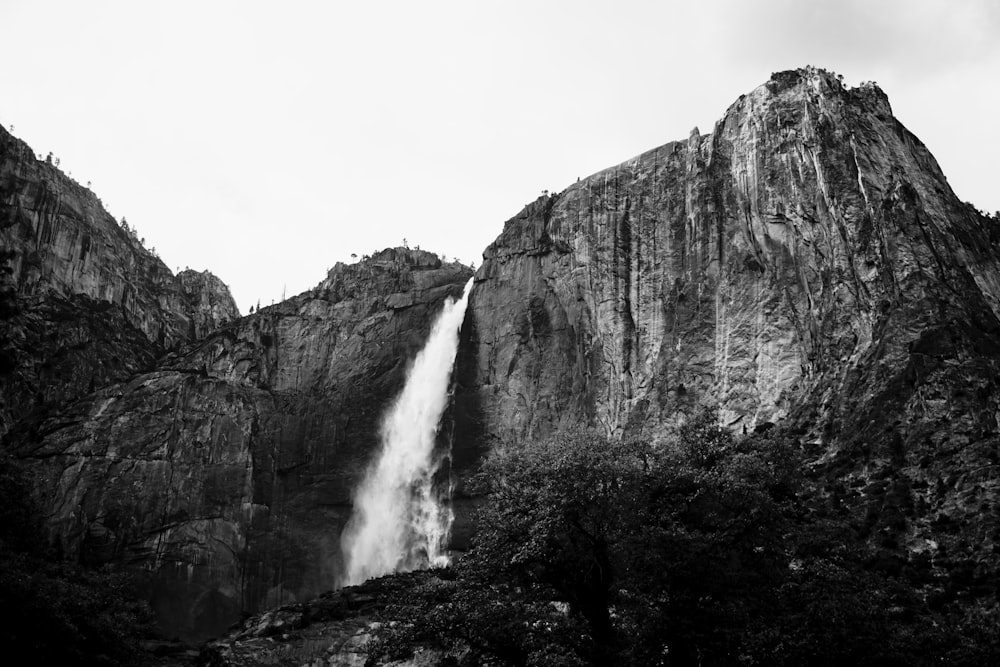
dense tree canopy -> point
(56, 612)
(699, 549)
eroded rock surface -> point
(206, 300)
(809, 235)
(226, 472)
(93, 305)
(807, 262)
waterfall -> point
(399, 521)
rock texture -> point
(807, 262)
(93, 305)
(332, 630)
(206, 301)
(226, 472)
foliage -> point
(491, 623)
(703, 548)
(673, 541)
(57, 612)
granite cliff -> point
(809, 236)
(214, 454)
(225, 472)
(806, 264)
(92, 304)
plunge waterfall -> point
(400, 522)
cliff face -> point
(749, 266)
(93, 305)
(226, 472)
(206, 302)
(807, 262)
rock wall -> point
(805, 262)
(226, 472)
(82, 284)
(206, 301)
(748, 267)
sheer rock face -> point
(226, 472)
(94, 306)
(806, 261)
(809, 238)
(207, 301)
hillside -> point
(779, 340)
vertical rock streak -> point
(399, 522)
(755, 268)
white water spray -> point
(399, 522)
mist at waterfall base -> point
(400, 521)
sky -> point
(267, 141)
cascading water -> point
(399, 521)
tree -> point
(551, 519)
(682, 537)
(643, 543)
(701, 548)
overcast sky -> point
(266, 141)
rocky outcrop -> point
(84, 288)
(226, 472)
(333, 629)
(806, 262)
(206, 300)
